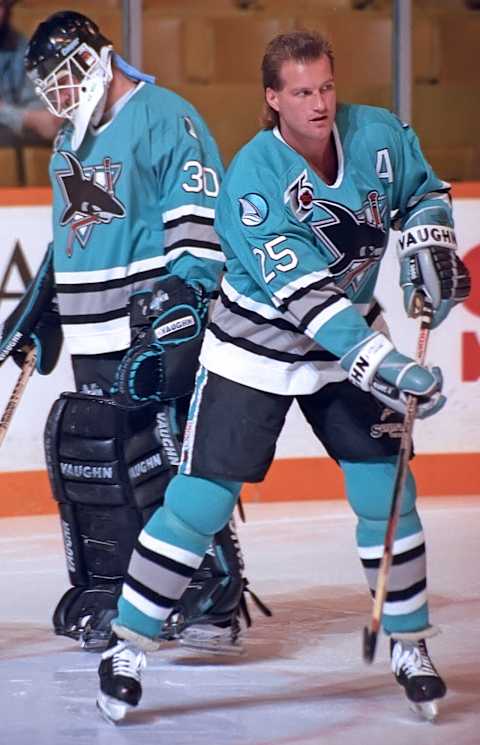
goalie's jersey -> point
(135, 202)
(302, 257)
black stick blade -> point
(369, 644)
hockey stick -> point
(27, 369)
(370, 635)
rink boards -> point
(447, 446)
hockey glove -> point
(167, 327)
(429, 264)
(35, 322)
(374, 365)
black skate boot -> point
(120, 674)
(414, 671)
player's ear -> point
(271, 97)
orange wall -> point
(289, 479)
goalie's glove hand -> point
(167, 327)
(374, 365)
(440, 274)
(46, 338)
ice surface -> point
(302, 680)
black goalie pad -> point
(217, 592)
(108, 471)
(86, 613)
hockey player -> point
(135, 175)
(304, 216)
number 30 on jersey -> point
(201, 178)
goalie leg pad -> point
(108, 467)
(215, 591)
(208, 615)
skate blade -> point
(93, 645)
(426, 710)
(111, 709)
(210, 646)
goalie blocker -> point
(109, 465)
(35, 322)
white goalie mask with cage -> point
(77, 88)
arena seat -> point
(9, 175)
(453, 163)
(108, 16)
(239, 44)
(459, 35)
(446, 116)
(163, 48)
(35, 162)
(231, 111)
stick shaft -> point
(399, 484)
(25, 373)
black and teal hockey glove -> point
(167, 325)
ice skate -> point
(414, 671)
(222, 632)
(120, 679)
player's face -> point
(307, 102)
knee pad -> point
(203, 505)
(108, 471)
(369, 486)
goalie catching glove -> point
(429, 263)
(167, 325)
(374, 365)
(35, 322)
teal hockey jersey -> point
(302, 257)
(135, 202)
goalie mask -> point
(70, 64)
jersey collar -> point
(338, 147)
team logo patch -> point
(299, 194)
(89, 197)
(189, 128)
(253, 209)
(383, 428)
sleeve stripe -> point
(330, 309)
(284, 294)
(196, 219)
(202, 253)
(299, 294)
(188, 209)
(107, 275)
(111, 284)
(442, 194)
(191, 242)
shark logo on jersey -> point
(356, 240)
(253, 209)
(300, 196)
(89, 197)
